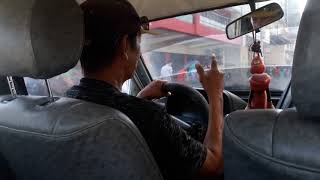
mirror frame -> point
(282, 14)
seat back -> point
(71, 139)
(271, 144)
(56, 138)
(282, 144)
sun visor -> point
(39, 38)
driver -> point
(110, 57)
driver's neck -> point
(111, 75)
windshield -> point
(186, 40)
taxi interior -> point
(44, 135)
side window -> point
(126, 87)
(60, 84)
(130, 87)
(4, 87)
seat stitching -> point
(59, 118)
(53, 135)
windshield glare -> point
(187, 40)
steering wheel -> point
(188, 108)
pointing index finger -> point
(214, 64)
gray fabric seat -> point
(276, 144)
(42, 138)
(71, 139)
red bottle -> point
(259, 84)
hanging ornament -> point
(260, 97)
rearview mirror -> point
(254, 20)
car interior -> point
(44, 135)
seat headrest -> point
(306, 63)
(39, 38)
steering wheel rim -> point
(186, 101)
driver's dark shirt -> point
(178, 155)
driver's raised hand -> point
(211, 80)
(154, 90)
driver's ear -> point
(124, 47)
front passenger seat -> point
(282, 145)
(46, 138)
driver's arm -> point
(213, 84)
(154, 90)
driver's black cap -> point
(110, 19)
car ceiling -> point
(160, 9)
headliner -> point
(160, 9)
